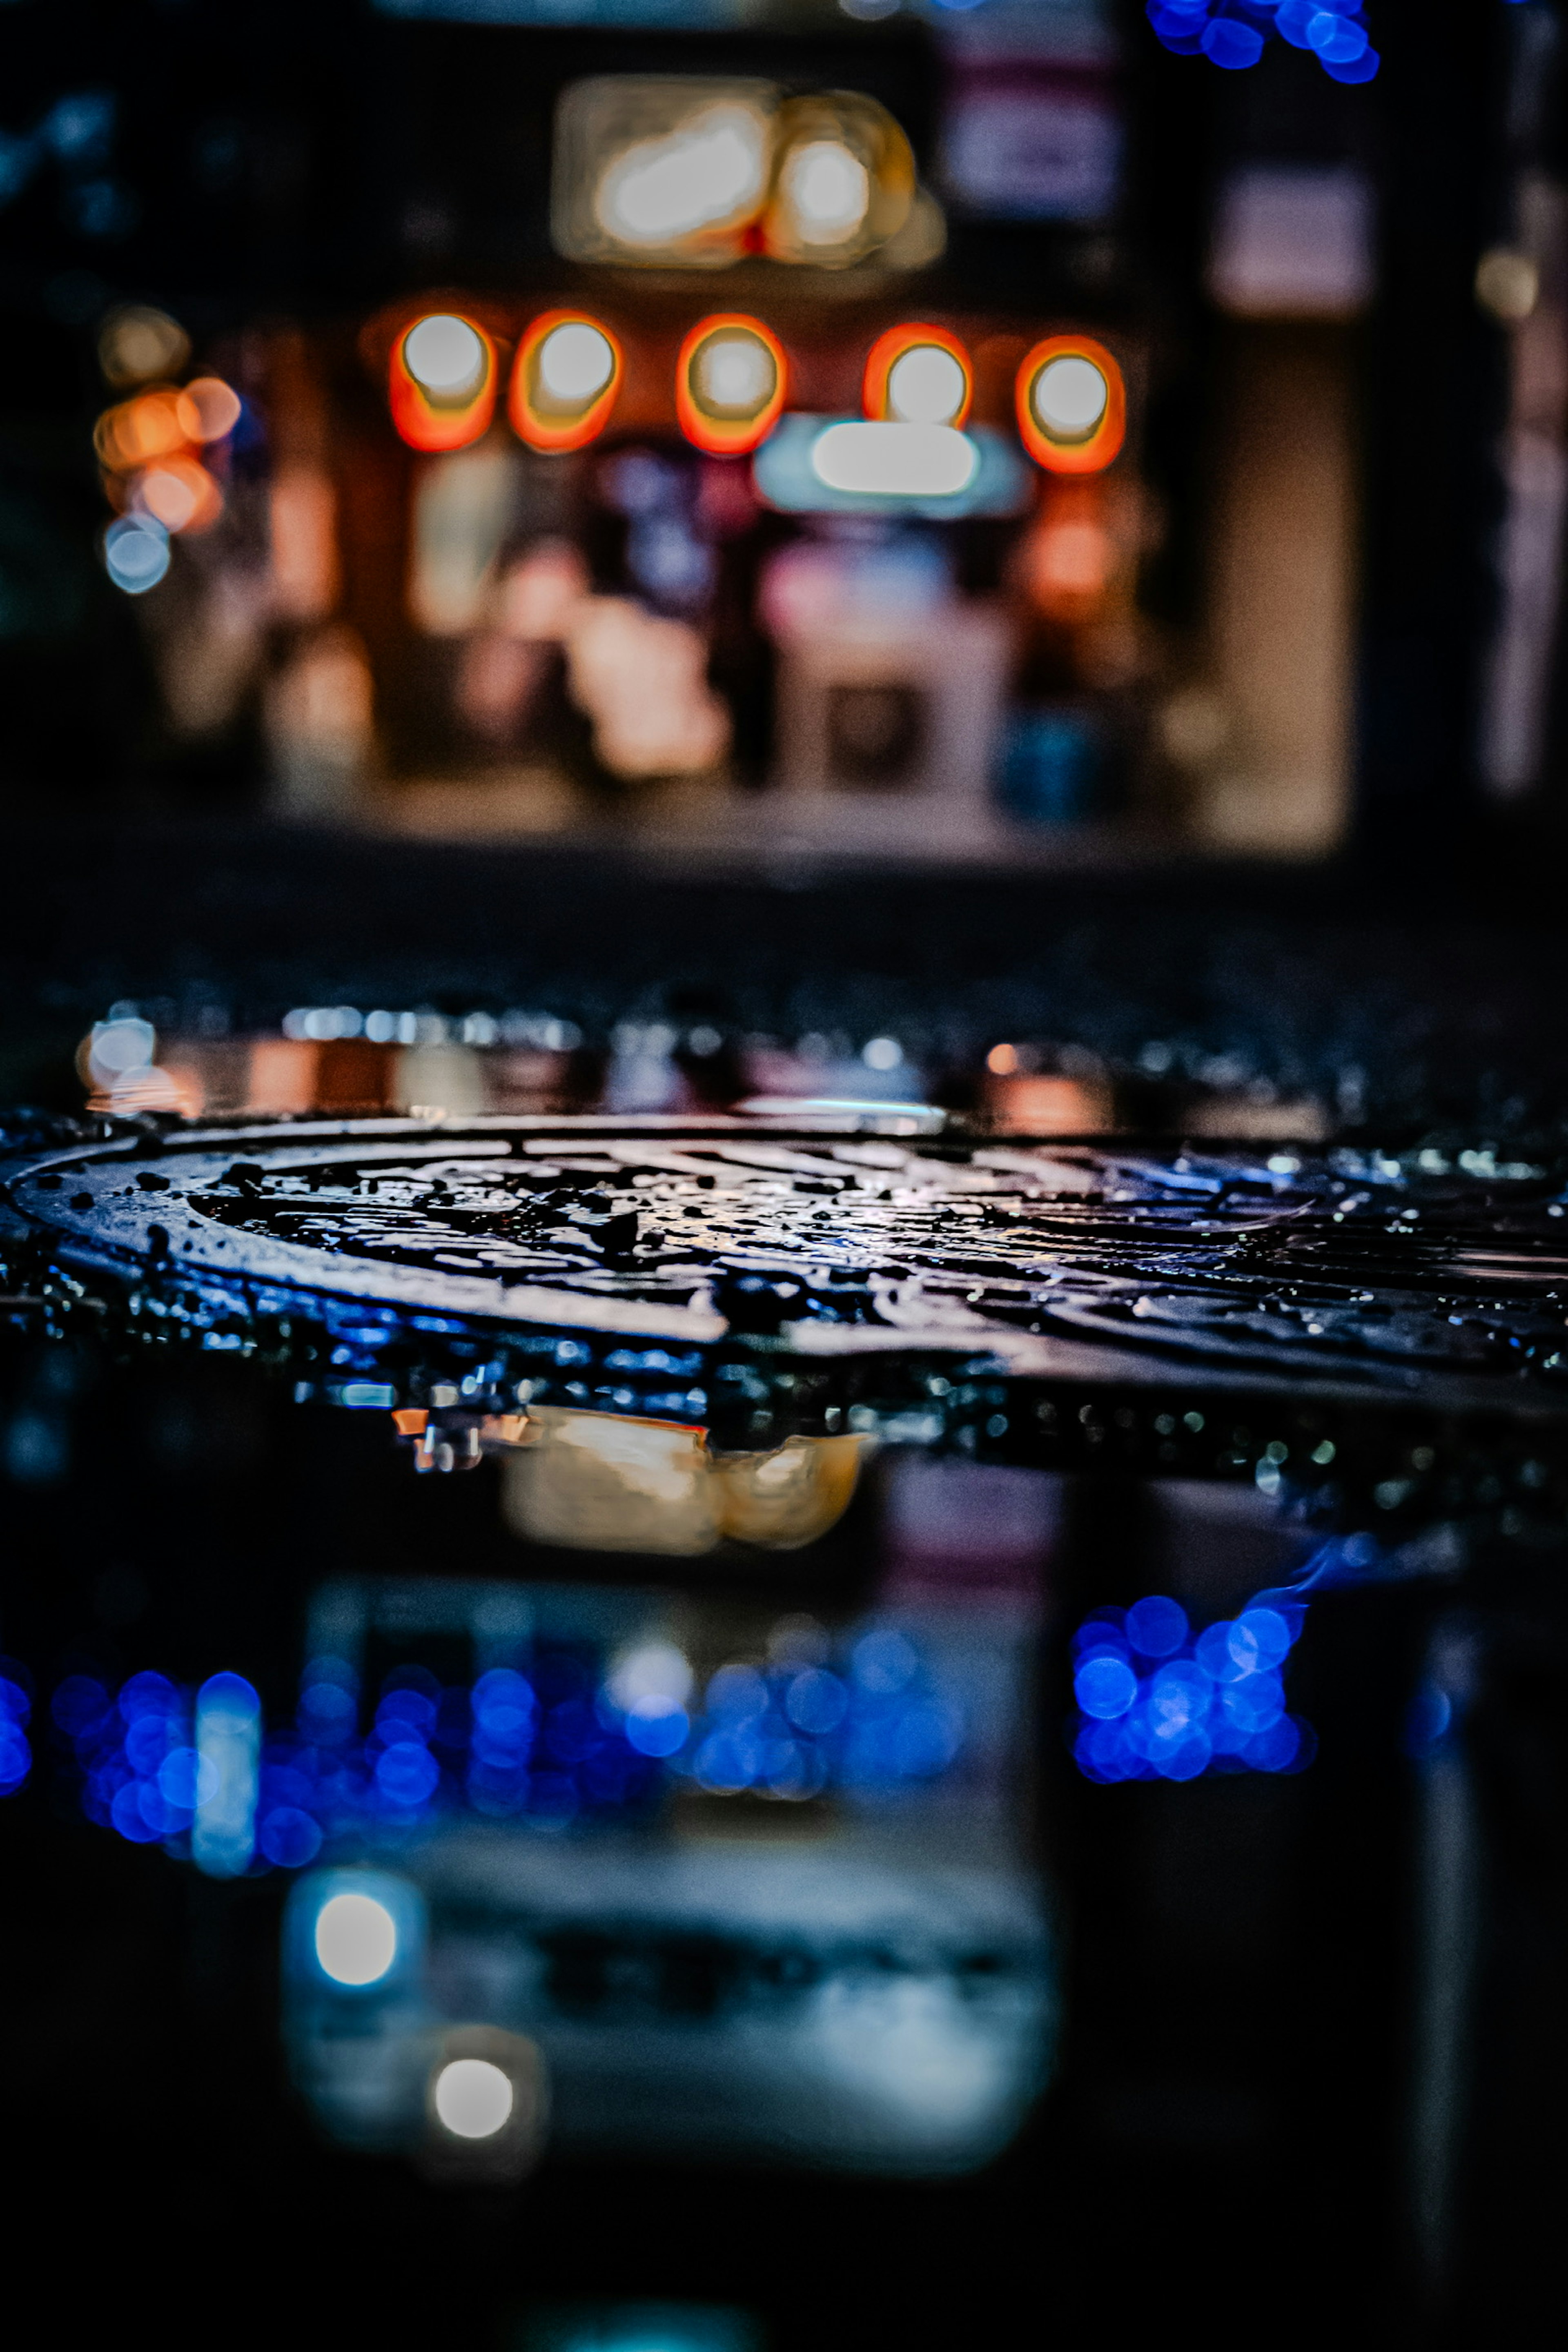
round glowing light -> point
(139, 343)
(730, 382)
(136, 553)
(179, 494)
(917, 375)
(827, 189)
(910, 461)
(1070, 397)
(442, 385)
(926, 385)
(473, 2098)
(576, 361)
(1071, 405)
(734, 371)
(445, 356)
(356, 1939)
(564, 382)
(215, 407)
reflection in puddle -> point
(603, 1481)
(749, 1885)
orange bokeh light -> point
(212, 408)
(153, 424)
(721, 426)
(437, 418)
(890, 349)
(180, 494)
(1066, 449)
(550, 419)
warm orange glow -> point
(1071, 557)
(564, 384)
(933, 395)
(730, 383)
(445, 398)
(180, 494)
(153, 424)
(1071, 404)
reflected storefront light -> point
(613, 1484)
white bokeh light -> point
(444, 354)
(709, 168)
(356, 1939)
(926, 385)
(896, 460)
(576, 361)
(1070, 397)
(473, 2098)
(829, 191)
(735, 372)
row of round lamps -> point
(730, 379)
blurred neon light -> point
(442, 381)
(730, 379)
(892, 460)
(917, 375)
(564, 384)
(1071, 405)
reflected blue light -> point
(188, 1780)
(148, 1694)
(1105, 1686)
(1337, 39)
(1156, 1627)
(1254, 1705)
(884, 1661)
(656, 1726)
(545, 1749)
(737, 1693)
(1233, 34)
(1234, 46)
(1260, 1637)
(406, 1775)
(816, 1701)
(229, 1742)
(16, 1708)
(1354, 69)
(1213, 1702)
(125, 1812)
(289, 1837)
(328, 1709)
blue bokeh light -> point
(1156, 1627)
(1233, 34)
(15, 1708)
(567, 1742)
(1156, 1702)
